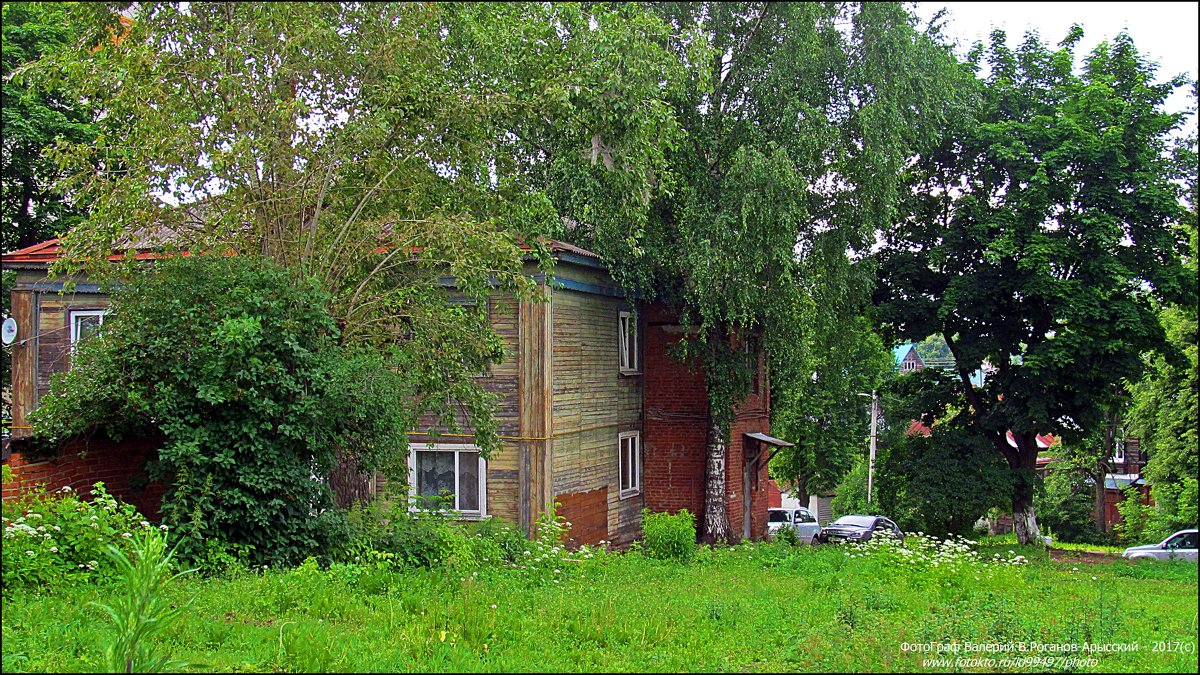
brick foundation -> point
(588, 514)
(83, 463)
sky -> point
(1165, 32)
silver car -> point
(801, 520)
(1179, 546)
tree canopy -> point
(379, 148)
(1036, 235)
(790, 142)
(34, 118)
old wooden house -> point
(594, 413)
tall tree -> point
(815, 400)
(377, 147)
(797, 117)
(33, 118)
(1035, 237)
(1163, 414)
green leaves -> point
(1036, 234)
(140, 610)
(236, 364)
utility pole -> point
(874, 426)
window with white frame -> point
(1118, 456)
(451, 475)
(627, 342)
(629, 463)
(86, 323)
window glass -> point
(1183, 541)
(85, 324)
(468, 481)
(627, 346)
(777, 516)
(435, 473)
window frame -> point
(628, 344)
(457, 449)
(635, 488)
(79, 313)
(1118, 455)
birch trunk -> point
(716, 518)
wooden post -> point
(24, 362)
(534, 417)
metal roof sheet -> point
(770, 440)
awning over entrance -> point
(770, 440)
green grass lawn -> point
(760, 607)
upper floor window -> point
(451, 475)
(1118, 456)
(629, 463)
(627, 342)
(86, 323)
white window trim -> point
(81, 313)
(637, 483)
(627, 349)
(414, 448)
(1118, 456)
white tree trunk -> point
(1025, 525)
(715, 527)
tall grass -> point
(753, 607)
(140, 609)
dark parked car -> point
(857, 528)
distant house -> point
(594, 413)
(907, 359)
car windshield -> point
(777, 517)
(856, 521)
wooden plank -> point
(24, 362)
(535, 418)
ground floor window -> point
(453, 475)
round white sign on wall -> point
(9, 332)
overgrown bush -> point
(1174, 508)
(55, 538)
(1065, 505)
(236, 363)
(669, 536)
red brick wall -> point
(774, 495)
(1114, 497)
(588, 514)
(81, 464)
(676, 414)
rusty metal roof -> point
(50, 251)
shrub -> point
(51, 538)
(669, 536)
(236, 363)
(1065, 505)
(1174, 508)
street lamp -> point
(874, 426)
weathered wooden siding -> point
(502, 472)
(43, 345)
(593, 403)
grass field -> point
(761, 607)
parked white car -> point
(1179, 546)
(801, 520)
